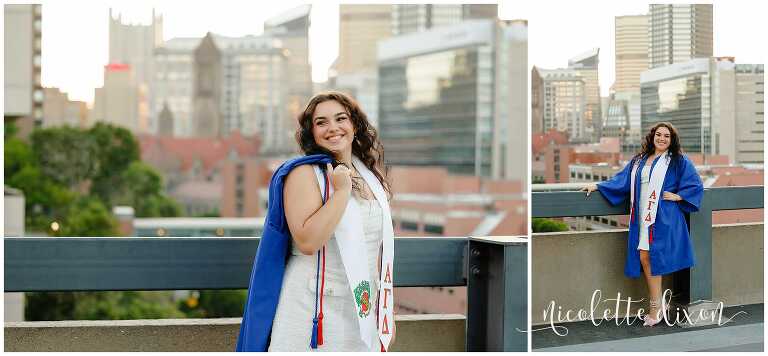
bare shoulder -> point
(301, 181)
(300, 172)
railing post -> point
(497, 294)
(700, 283)
(693, 286)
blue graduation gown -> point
(269, 264)
(671, 248)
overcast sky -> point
(75, 33)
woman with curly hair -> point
(322, 276)
(662, 185)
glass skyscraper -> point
(679, 32)
(680, 94)
(436, 97)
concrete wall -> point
(737, 263)
(443, 332)
(567, 267)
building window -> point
(409, 225)
(433, 229)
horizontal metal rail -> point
(498, 272)
(171, 263)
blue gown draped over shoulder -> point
(269, 263)
(671, 248)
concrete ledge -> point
(567, 267)
(438, 332)
(737, 263)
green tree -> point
(116, 150)
(548, 225)
(100, 306)
(64, 154)
(88, 217)
(125, 305)
(214, 304)
(73, 177)
(44, 200)
(142, 188)
(10, 130)
(49, 306)
(17, 156)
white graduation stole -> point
(349, 237)
(655, 185)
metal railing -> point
(694, 283)
(494, 269)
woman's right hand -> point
(341, 178)
(589, 188)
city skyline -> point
(65, 65)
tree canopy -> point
(74, 177)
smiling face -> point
(332, 127)
(662, 138)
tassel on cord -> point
(322, 285)
(320, 315)
(317, 322)
(320, 329)
(313, 340)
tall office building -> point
(750, 113)
(207, 90)
(361, 27)
(23, 94)
(118, 101)
(134, 44)
(511, 102)
(715, 104)
(263, 94)
(616, 119)
(537, 101)
(172, 89)
(586, 64)
(253, 86)
(355, 70)
(58, 110)
(631, 44)
(622, 120)
(564, 102)
(679, 32)
(165, 122)
(292, 29)
(421, 17)
(437, 103)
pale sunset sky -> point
(75, 33)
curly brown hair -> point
(366, 145)
(648, 148)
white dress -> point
(645, 178)
(292, 326)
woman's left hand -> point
(672, 196)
